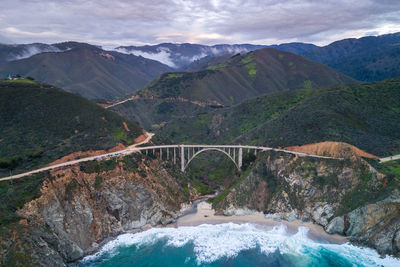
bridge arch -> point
(209, 149)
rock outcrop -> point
(77, 210)
(344, 196)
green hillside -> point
(366, 116)
(245, 76)
(40, 123)
(88, 71)
(150, 113)
(372, 58)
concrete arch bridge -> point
(186, 153)
(182, 153)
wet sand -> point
(204, 214)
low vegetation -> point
(362, 115)
(15, 193)
(40, 123)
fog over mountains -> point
(105, 74)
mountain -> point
(40, 123)
(242, 77)
(19, 51)
(180, 56)
(193, 57)
(365, 115)
(372, 58)
(88, 70)
(296, 48)
(259, 72)
(206, 62)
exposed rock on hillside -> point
(377, 225)
(341, 195)
(80, 207)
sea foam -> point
(214, 242)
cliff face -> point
(347, 197)
(78, 209)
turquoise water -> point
(230, 244)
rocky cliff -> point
(348, 197)
(80, 206)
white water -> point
(213, 242)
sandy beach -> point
(204, 214)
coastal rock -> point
(336, 226)
(377, 225)
(323, 191)
(80, 209)
(321, 212)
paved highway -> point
(389, 158)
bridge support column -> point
(240, 157)
(182, 159)
(167, 153)
(147, 151)
(160, 153)
(174, 156)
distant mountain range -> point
(99, 74)
(19, 51)
(366, 59)
(88, 70)
(181, 56)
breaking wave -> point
(230, 244)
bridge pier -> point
(240, 158)
(182, 159)
(174, 156)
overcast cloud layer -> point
(131, 22)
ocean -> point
(231, 244)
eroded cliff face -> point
(348, 197)
(77, 210)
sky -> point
(132, 22)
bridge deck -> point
(137, 149)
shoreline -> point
(200, 212)
(204, 214)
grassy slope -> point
(150, 113)
(40, 123)
(87, 70)
(245, 76)
(363, 115)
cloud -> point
(125, 22)
(163, 56)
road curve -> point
(72, 162)
(134, 148)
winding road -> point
(126, 151)
(134, 148)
